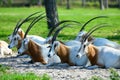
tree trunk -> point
(83, 3)
(51, 13)
(101, 4)
(68, 4)
(61, 2)
(39, 2)
(105, 3)
(119, 3)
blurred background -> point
(102, 4)
(11, 11)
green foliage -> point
(3, 68)
(5, 74)
(10, 16)
(23, 76)
(114, 74)
(18, 76)
(95, 78)
(45, 77)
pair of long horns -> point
(58, 25)
(96, 27)
(20, 22)
(35, 20)
(60, 28)
(83, 27)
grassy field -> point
(10, 16)
(4, 71)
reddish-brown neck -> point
(93, 55)
(21, 33)
(35, 52)
(63, 52)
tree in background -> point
(101, 4)
(51, 12)
(83, 3)
(68, 4)
(105, 2)
(119, 3)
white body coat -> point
(4, 50)
(98, 41)
(109, 57)
(103, 56)
(70, 55)
(38, 50)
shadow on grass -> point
(116, 37)
(66, 37)
(4, 36)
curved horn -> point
(94, 29)
(16, 27)
(33, 22)
(25, 20)
(57, 25)
(58, 30)
(91, 20)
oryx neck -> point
(92, 55)
(36, 52)
(64, 53)
(21, 34)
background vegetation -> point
(10, 16)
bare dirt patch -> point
(57, 71)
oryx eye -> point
(55, 46)
(23, 41)
(84, 46)
(48, 46)
(15, 38)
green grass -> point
(23, 76)
(114, 75)
(3, 68)
(5, 74)
(10, 16)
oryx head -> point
(55, 44)
(18, 34)
(83, 50)
(25, 41)
(82, 31)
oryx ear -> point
(86, 49)
(56, 44)
(26, 41)
(86, 43)
(49, 39)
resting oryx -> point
(96, 41)
(4, 50)
(18, 34)
(37, 51)
(66, 53)
(99, 56)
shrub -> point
(114, 74)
